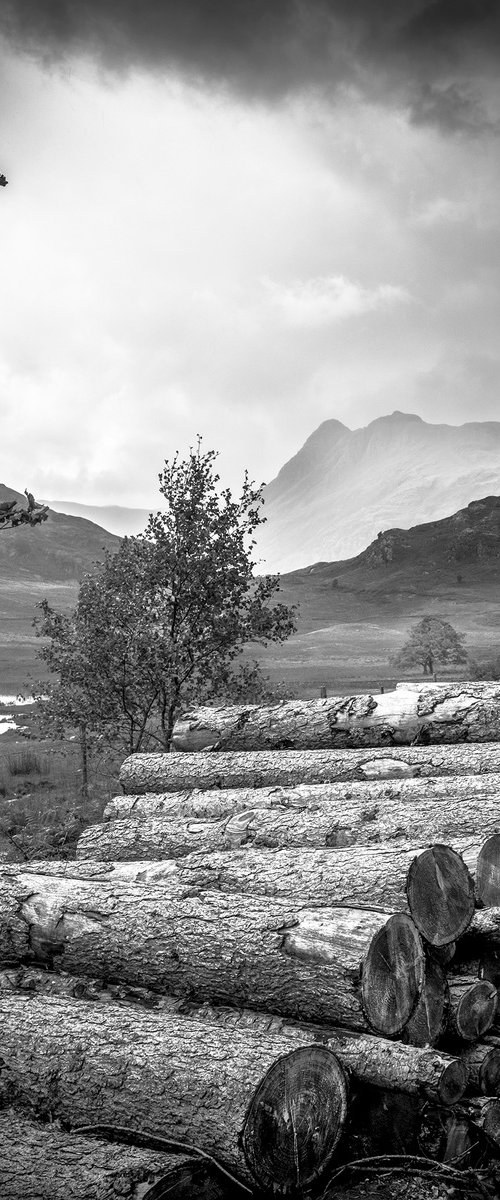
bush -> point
(25, 763)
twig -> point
(152, 1141)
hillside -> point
(47, 561)
(354, 613)
(62, 548)
(343, 486)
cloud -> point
(432, 57)
(314, 303)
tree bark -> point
(159, 773)
(179, 1079)
(43, 1162)
(256, 951)
(356, 875)
(371, 1059)
(330, 824)
(435, 713)
(219, 803)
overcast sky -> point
(239, 218)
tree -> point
(13, 513)
(164, 622)
(431, 641)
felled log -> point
(271, 1114)
(391, 1065)
(256, 951)
(472, 1009)
(329, 823)
(488, 872)
(433, 713)
(373, 876)
(158, 773)
(482, 1064)
(429, 1019)
(217, 803)
(43, 1162)
(447, 1137)
(440, 893)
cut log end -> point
(295, 1120)
(452, 1083)
(427, 1022)
(488, 873)
(473, 1009)
(489, 1075)
(440, 894)
(491, 1122)
(393, 975)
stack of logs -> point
(278, 953)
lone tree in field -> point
(13, 513)
(431, 641)
(164, 621)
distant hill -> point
(62, 548)
(116, 518)
(343, 486)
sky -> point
(238, 219)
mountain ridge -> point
(342, 486)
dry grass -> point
(42, 809)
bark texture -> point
(43, 1162)
(256, 951)
(159, 773)
(392, 1065)
(329, 824)
(217, 803)
(434, 713)
(356, 875)
(89, 1064)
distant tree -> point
(431, 641)
(13, 513)
(486, 669)
(163, 623)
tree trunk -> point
(376, 876)
(268, 1113)
(435, 713)
(219, 803)
(440, 894)
(256, 951)
(488, 872)
(330, 824)
(356, 875)
(158, 773)
(428, 1022)
(473, 1008)
(371, 1059)
(43, 1162)
(482, 1064)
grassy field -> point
(42, 809)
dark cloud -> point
(433, 57)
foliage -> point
(487, 669)
(164, 621)
(432, 640)
(12, 513)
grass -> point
(42, 809)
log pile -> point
(279, 951)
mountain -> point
(62, 548)
(116, 518)
(344, 485)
